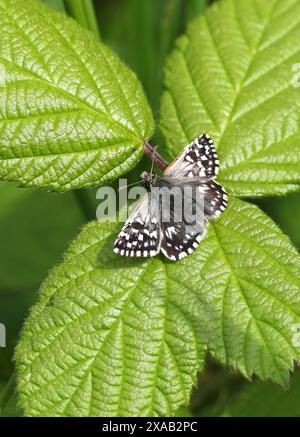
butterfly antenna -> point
(129, 185)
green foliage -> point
(29, 247)
(265, 400)
(113, 336)
(195, 8)
(57, 5)
(72, 115)
(8, 399)
(84, 14)
(142, 33)
(108, 336)
(32, 244)
(235, 68)
(286, 212)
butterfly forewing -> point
(198, 160)
(140, 235)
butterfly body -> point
(173, 216)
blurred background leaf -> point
(264, 400)
(57, 5)
(286, 213)
(83, 12)
(35, 228)
(8, 399)
(142, 33)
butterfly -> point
(148, 231)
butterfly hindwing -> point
(182, 233)
(140, 235)
(215, 199)
(198, 160)
(178, 240)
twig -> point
(151, 152)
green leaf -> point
(195, 7)
(83, 12)
(231, 75)
(8, 399)
(150, 27)
(264, 400)
(115, 336)
(71, 114)
(286, 213)
(57, 5)
(35, 228)
(107, 337)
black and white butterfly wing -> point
(180, 238)
(182, 232)
(197, 160)
(178, 241)
(196, 166)
(199, 163)
(214, 198)
(140, 235)
(146, 232)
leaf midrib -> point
(76, 100)
(72, 152)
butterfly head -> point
(148, 179)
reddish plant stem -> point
(153, 155)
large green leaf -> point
(231, 75)
(107, 337)
(264, 400)
(71, 114)
(114, 336)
